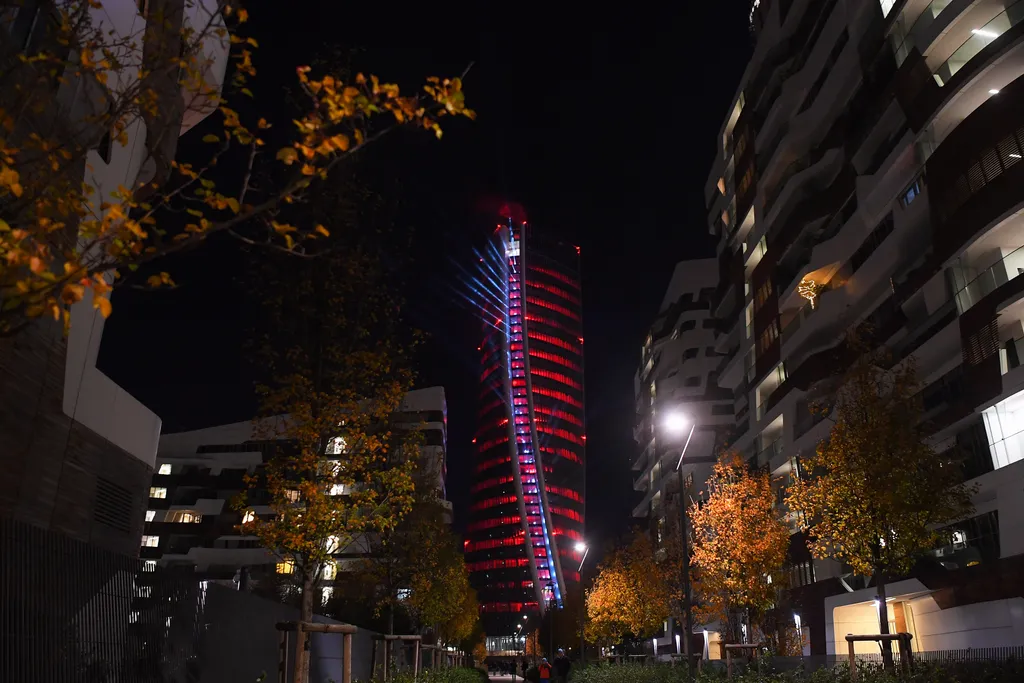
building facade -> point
(868, 178)
(527, 514)
(677, 378)
(76, 449)
(189, 520)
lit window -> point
(286, 567)
(339, 490)
(150, 515)
(911, 193)
(333, 544)
(248, 516)
(143, 591)
(188, 517)
(164, 469)
(336, 446)
(403, 594)
(157, 492)
(721, 185)
(291, 495)
(149, 566)
(326, 594)
(887, 6)
(330, 571)
(150, 541)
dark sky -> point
(602, 125)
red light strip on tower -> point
(492, 522)
(554, 341)
(488, 483)
(555, 358)
(565, 493)
(571, 298)
(557, 377)
(558, 396)
(562, 310)
(563, 453)
(555, 274)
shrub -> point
(1011, 671)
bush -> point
(1011, 671)
(460, 675)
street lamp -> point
(677, 422)
(581, 547)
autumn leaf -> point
(103, 304)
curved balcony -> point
(976, 175)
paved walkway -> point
(506, 678)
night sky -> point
(602, 125)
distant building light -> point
(993, 91)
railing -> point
(805, 312)
(998, 274)
(979, 40)
(767, 454)
(927, 18)
(1011, 355)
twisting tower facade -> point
(528, 491)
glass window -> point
(248, 516)
(150, 515)
(287, 566)
(157, 492)
(292, 496)
(150, 541)
(149, 566)
(330, 571)
(164, 469)
(337, 446)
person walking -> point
(544, 669)
(562, 666)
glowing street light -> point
(677, 423)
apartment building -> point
(77, 451)
(679, 405)
(868, 177)
(189, 520)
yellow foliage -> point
(876, 493)
(739, 542)
(54, 218)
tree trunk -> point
(300, 671)
(883, 620)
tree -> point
(739, 542)
(59, 239)
(338, 370)
(875, 494)
(418, 566)
(630, 595)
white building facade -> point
(189, 520)
(869, 177)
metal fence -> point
(73, 612)
(965, 656)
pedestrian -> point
(523, 666)
(562, 666)
(545, 669)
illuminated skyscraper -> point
(528, 491)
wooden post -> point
(387, 649)
(728, 664)
(853, 660)
(416, 661)
(346, 665)
(282, 663)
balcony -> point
(1010, 266)
(979, 40)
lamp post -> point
(581, 547)
(677, 423)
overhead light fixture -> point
(993, 91)
(983, 33)
(1014, 155)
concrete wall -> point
(241, 643)
(997, 623)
